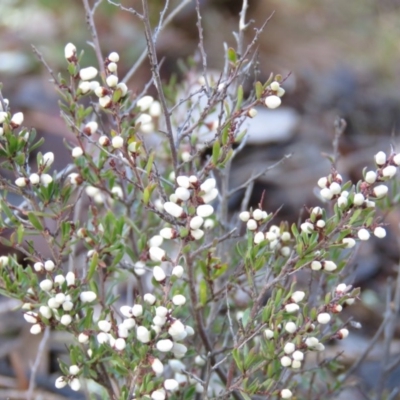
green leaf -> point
(203, 293)
(216, 152)
(259, 90)
(246, 317)
(232, 56)
(239, 98)
(34, 220)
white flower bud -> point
(84, 87)
(335, 188)
(143, 334)
(49, 265)
(268, 333)
(252, 225)
(139, 268)
(286, 394)
(164, 345)
(144, 119)
(46, 285)
(105, 101)
(21, 182)
(113, 57)
(45, 311)
(298, 355)
(149, 298)
(173, 209)
(75, 385)
(46, 179)
(178, 366)
(123, 88)
(379, 232)
(91, 128)
(321, 223)
(112, 67)
(117, 142)
(341, 202)
(292, 308)
(66, 319)
(329, 266)
(159, 274)
(285, 236)
(312, 342)
(120, 344)
(53, 303)
(370, 177)
(274, 86)
(323, 318)
(129, 323)
(31, 317)
(159, 321)
(178, 271)
(47, 159)
(298, 296)
(182, 193)
(326, 194)
(396, 159)
(137, 310)
(144, 103)
(273, 101)
(289, 348)
(363, 234)
(112, 81)
(183, 181)
(316, 265)
(343, 333)
(176, 329)
(286, 361)
(244, 216)
(74, 370)
(167, 233)
(323, 182)
(205, 210)
(208, 185)
(87, 297)
(257, 214)
(171, 385)
(389, 171)
(69, 52)
(158, 395)
(87, 74)
(349, 242)
(307, 227)
(380, 158)
(296, 364)
(60, 382)
(83, 338)
(358, 199)
(210, 196)
(157, 366)
(179, 350)
(259, 237)
(38, 266)
(156, 254)
(252, 113)
(17, 119)
(104, 325)
(380, 191)
(370, 204)
(102, 337)
(197, 234)
(179, 300)
(209, 224)
(34, 179)
(155, 109)
(161, 311)
(155, 241)
(77, 152)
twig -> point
(93, 32)
(340, 126)
(43, 61)
(151, 50)
(142, 57)
(35, 366)
(201, 46)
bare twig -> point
(38, 359)
(93, 31)
(201, 46)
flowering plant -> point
(165, 292)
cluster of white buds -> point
(70, 380)
(274, 99)
(326, 265)
(292, 357)
(190, 192)
(330, 186)
(150, 109)
(253, 219)
(59, 303)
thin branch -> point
(142, 57)
(201, 46)
(93, 32)
(38, 359)
(151, 50)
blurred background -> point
(343, 58)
